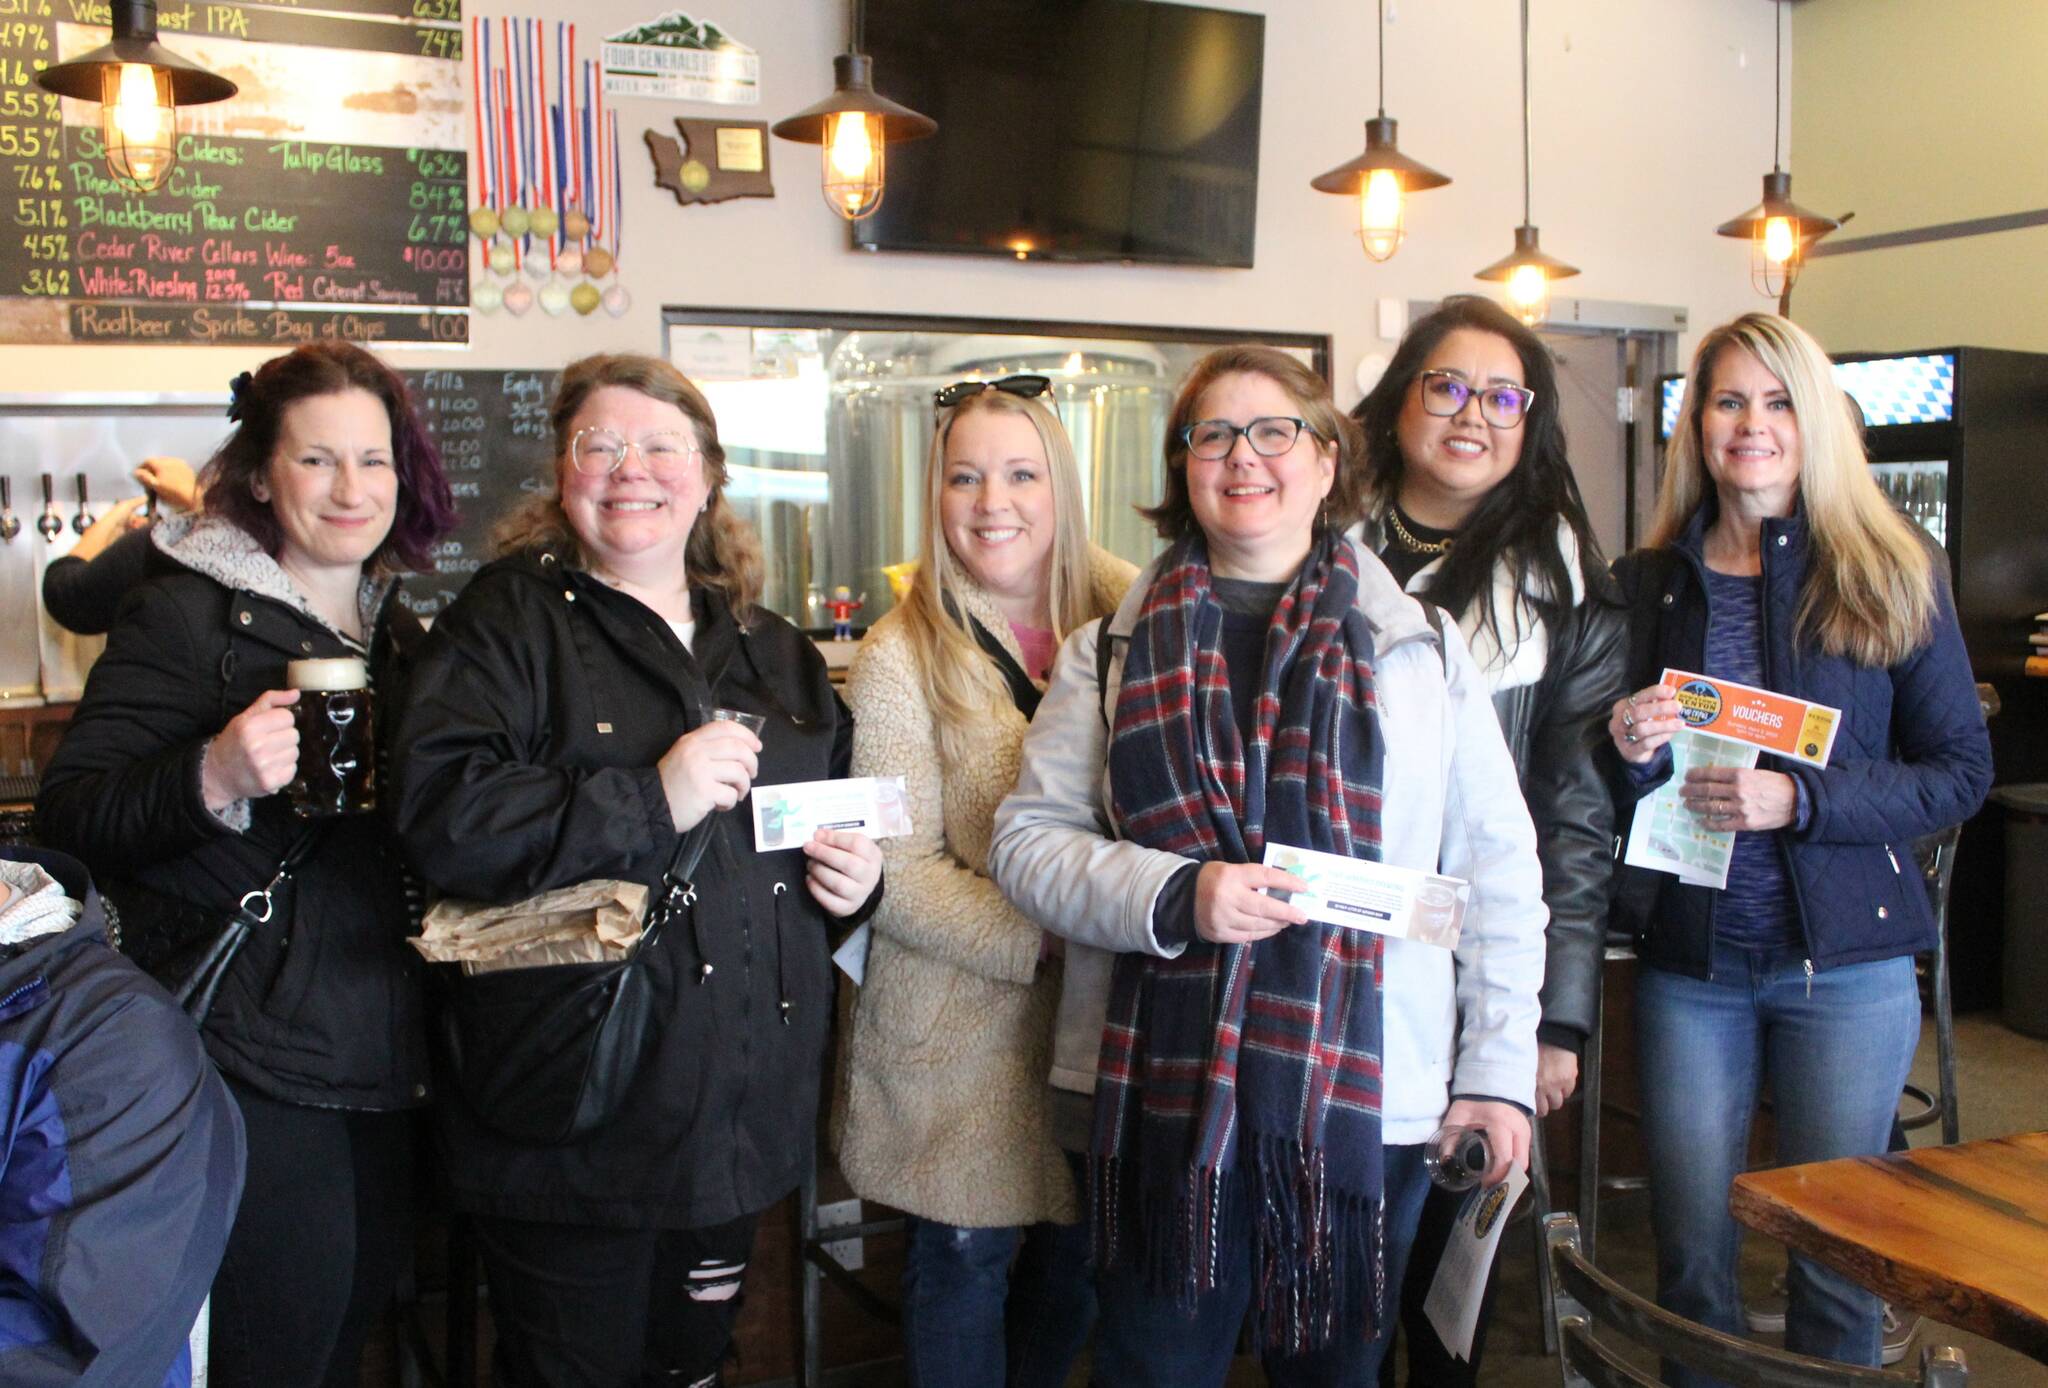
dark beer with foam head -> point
(337, 747)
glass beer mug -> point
(337, 772)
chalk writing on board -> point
(299, 202)
(491, 429)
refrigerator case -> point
(1958, 437)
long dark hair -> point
(426, 507)
(1516, 522)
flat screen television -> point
(1071, 129)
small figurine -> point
(842, 604)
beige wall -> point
(1912, 113)
(1630, 180)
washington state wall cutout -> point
(716, 160)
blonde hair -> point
(961, 684)
(1870, 588)
(723, 552)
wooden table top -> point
(1957, 1233)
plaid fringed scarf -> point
(1238, 1095)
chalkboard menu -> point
(492, 430)
(327, 199)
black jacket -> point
(120, 1161)
(1911, 756)
(541, 703)
(1555, 729)
(84, 595)
(1554, 724)
(325, 1008)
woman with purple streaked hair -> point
(167, 784)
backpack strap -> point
(1103, 643)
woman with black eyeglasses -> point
(946, 1099)
(1264, 1084)
(1474, 508)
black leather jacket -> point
(1555, 729)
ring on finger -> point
(1630, 738)
(1628, 719)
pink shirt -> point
(1039, 646)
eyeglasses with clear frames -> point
(597, 452)
(1269, 435)
(1502, 406)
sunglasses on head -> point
(1025, 387)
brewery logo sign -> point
(678, 58)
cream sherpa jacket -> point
(946, 1095)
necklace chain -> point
(1408, 540)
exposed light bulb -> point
(853, 150)
(1380, 214)
(138, 123)
(1779, 240)
(1529, 292)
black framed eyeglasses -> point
(1025, 387)
(1269, 435)
(1502, 406)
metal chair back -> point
(1596, 1315)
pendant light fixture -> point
(1778, 229)
(1527, 270)
(853, 127)
(1382, 177)
(139, 84)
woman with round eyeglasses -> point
(948, 1116)
(1264, 1084)
(1775, 561)
(563, 730)
(1474, 508)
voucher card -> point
(786, 816)
(1778, 723)
(1382, 898)
(1666, 836)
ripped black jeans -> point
(581, 1307)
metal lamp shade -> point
(1527, 252)
(134, 41)
(854, 90)
(1777, 202)
(1380, 153)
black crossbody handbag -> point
(545, 1055)
(192, 964)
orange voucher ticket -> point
(1775, 722)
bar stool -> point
(1619, 949)
(815, 1264)
(1935, 855)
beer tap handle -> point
(10, 524)
(83, 520)
(49, 524)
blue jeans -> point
(1836, 1049)
(985, 1308)
(1146, 1340)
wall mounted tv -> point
(1071, 129)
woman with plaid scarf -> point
(1263, 1085)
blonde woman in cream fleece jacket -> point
(946, 1104)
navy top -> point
(1756, 909)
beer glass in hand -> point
(337, 771)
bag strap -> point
(1023, 693)
(1104, 643)
(675, 889)
(258, 903)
